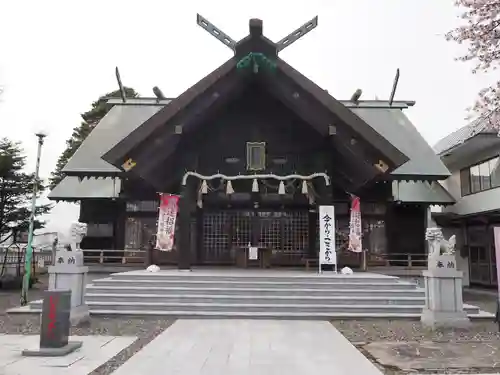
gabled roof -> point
(123, 118)
(213, 89)
(119, 122)
(421, 192)
(394, 126)
(117, 152)
(356, 124)
(482, 125)
(73, 188)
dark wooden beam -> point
(313, 233)
(351, 160)
(199, 235)
(341, 114)
(321, 118)
(151, 154)
(285, 93)
(183, 243)
(119, 153)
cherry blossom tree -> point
(481, 33)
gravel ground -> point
(362, 332)
(145, 329)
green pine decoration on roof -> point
(255, 61)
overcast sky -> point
(56, 57)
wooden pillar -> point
(312, 252)
(199, 236)
(390, 232)
(186, 203)
(429, 223)
(255, 225)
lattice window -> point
(296, 232)
(241, 224)
(256, 156)
(342, 233)
(215, 236)
(270, 230)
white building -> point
(472, 156)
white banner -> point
(327, 254)
(166, 222)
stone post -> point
(55, 327)
(443, 284)
(68, 273)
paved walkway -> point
(95, 351)
(241, 347)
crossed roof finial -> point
(256, 28)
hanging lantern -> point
(304, 187)
(255, 186)
(281, 188)
(229, 188)
(204, 187)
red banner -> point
(166, 222)
(355, 230)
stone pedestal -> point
(443, 295)
(69, 274)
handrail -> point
(122, 256)
(407, 260)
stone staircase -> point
(255, 294)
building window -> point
(475, 179)
(100, 230)
(480, 177)
(256, 156)
(465, 181)
(495, 171)
(142, 206)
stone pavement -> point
(95, 351)
(264, 347)
(437, 356)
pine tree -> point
(16, 189)
(90, 119)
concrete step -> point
(255, 276)
(270, 306)
(255, 299)
(285, 295)
(95, 311)
(247, 307)
(296, 292)
(151, 283)
(270, 315)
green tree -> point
(16, 188)
(90, 119)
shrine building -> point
(253, 149)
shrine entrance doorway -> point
(285, 233)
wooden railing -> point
(404, 260)
(139, 256)
(113, 256)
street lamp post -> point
(29, 248)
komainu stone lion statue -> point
(438, 245)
